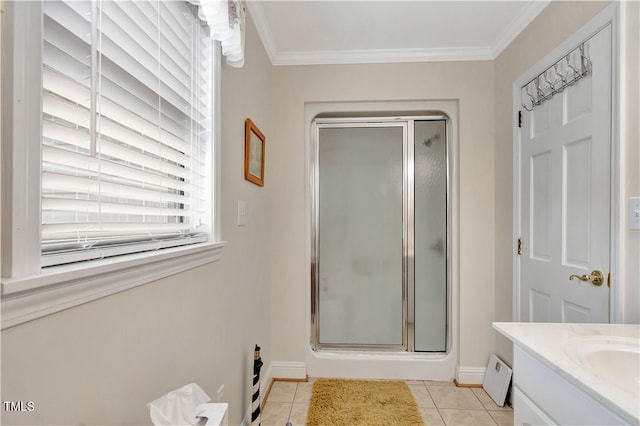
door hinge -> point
(519, 246)
(520, 118)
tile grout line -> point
(291, 407)
(470, 409)
(429, 394)
(291, 410)
(486, 410)
(440, 414)
(481, 404)
(434, 403)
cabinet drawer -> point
(561, 400)
(526, 413)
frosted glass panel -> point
(430, 244)
(360, 236)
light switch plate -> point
(242, 213)
(634, 213)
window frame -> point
(28, 291)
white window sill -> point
(62, 287)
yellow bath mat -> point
(362, 402)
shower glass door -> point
(360, 263)
(380, 241)
(429, 223)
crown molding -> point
(382, 56)
(256, 12)
(482, 53)
(516, 26)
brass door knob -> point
(596, 278)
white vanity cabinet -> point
(574, 374)
(543, 397)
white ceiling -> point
(338, 32)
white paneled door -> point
(565, 169)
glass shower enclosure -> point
(379, 234)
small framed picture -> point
(254, 147)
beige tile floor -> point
(440, 403)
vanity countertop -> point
(600, 359)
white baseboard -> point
(288, 370)
(470, 375)
(265, 380)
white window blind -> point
(126, 128)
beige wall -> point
(100, 363)
(554, 24)
(469, 82)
